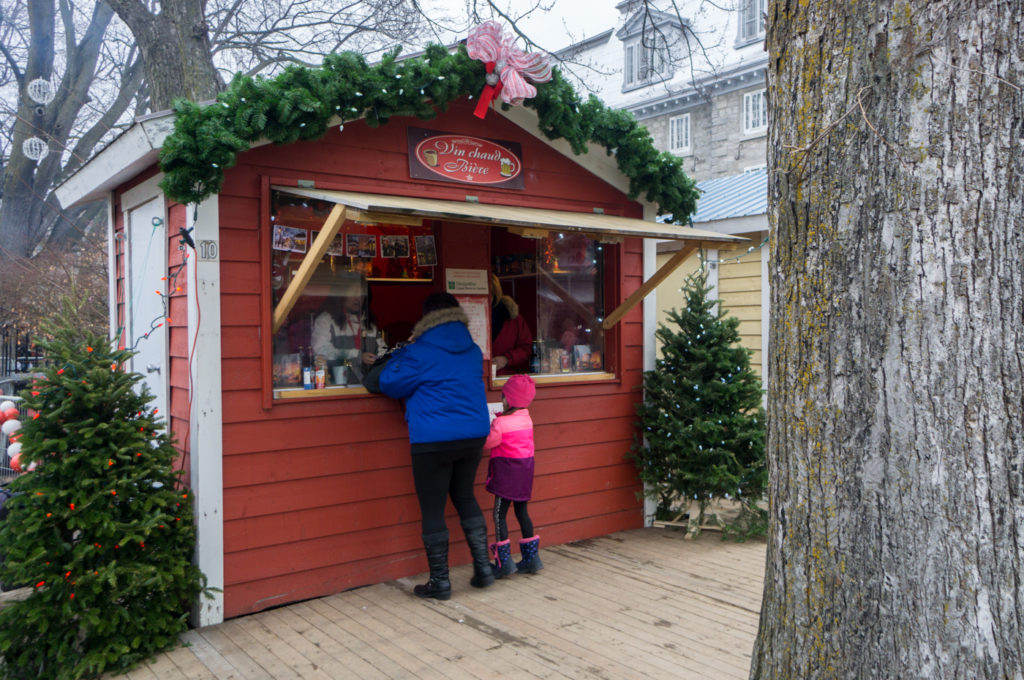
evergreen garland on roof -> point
(301, 102)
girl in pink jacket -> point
(510, 476)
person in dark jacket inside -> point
(440, 377)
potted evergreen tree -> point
(702, 426)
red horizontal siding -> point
(238, 342)
(240, 374)
(283, 465)
(239, 310)
(269, 591)
(296, 550)
(239, 277)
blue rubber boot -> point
(503, 565)
(529, 550)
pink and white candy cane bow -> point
(491, 45)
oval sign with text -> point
(468, 159)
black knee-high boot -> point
(438, 586)
(475, 529)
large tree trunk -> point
(175, 47)
(896, 444)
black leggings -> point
(439, 475)
(522, 516)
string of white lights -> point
(725, 260)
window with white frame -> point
(752, 14)
(679, 134)
(755, 112)
(645, 60)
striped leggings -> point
(501, 506)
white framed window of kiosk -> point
(341, 321)
(557, 285)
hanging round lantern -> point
(35, 148)
(40, 91)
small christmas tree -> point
(101, 529)
(702, 421)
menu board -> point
(478, 309)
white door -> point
(147, 286)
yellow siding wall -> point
(739, 288)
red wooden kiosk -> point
(305, 492)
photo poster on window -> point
(291, 239)
(381, 252)
(478, 310)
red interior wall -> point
(318, 493)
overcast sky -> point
(567, 22)
(581, 18)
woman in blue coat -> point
(440, 377)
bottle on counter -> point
(306, 354)
(320, 373)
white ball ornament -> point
(14, 450)
(35, 148)
(40, 91)
(10, 427)
(32, 466)
(7, 404)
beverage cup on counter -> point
(340, 375)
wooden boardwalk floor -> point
(638, 604)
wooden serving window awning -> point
(529, 222)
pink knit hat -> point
(519, 391)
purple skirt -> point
(510, 478)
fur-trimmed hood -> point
(438, 318)
(511, 305)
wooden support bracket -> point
(308, 266)
(650, 284)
